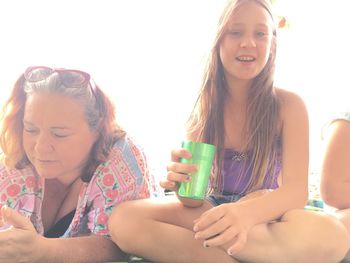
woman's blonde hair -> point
(99, 114)
(206, 122)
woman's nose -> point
(43, 144)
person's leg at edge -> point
(162, 232)
(344, 217)
(300, 237)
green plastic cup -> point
(203, 156)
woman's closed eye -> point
(30, 130)
(59, 134)
(34, 131)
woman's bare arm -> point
(335, 173)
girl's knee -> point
(320, 236)
(120, 223)
(119, 214)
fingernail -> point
(5, 210)
(229, 252)
(205, 244)
(196, 236)
(195, 228)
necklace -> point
(239, 156)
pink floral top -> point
(124, 176)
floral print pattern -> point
(124, 176)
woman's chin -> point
(46, 173)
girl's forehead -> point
(251, 13)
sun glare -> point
(148, 55)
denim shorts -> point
(219, 199)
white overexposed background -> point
(148, 55)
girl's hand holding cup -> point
(189, 169)
(178, 172)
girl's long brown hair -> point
(206, 122)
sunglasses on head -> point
(70, 78)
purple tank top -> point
(235, 162)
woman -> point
(254, 212)
(65, 164)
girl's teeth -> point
(245, 59)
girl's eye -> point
(235, 33)
(261, 34)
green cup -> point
(203, 156)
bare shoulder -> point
(289, 99)
(339, 128)
(291, 103)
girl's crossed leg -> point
(162, 231)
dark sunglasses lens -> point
(37, 74)
(73, 78)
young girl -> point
(255, 210)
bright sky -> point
(148, 55)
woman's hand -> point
(19, 242)
(223, 225)
(178, 172)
